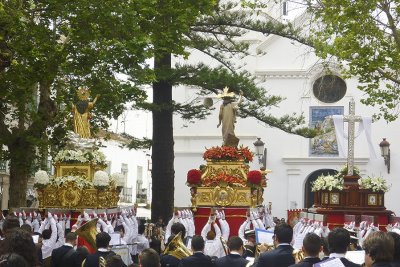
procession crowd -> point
(28, 240)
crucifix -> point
(351, 119)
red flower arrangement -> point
(223, 178)
(254, 177)
(193, 177)
(228, 153)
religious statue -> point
(81, 112)
(227, 116)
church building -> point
(291, 70)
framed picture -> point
(325, 144)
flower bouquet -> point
(41, 179)
(79, 181)
(376, 184)
(228, 153)
(101, 180)
(254, 177)
(221, 179)
(79, 156)
(327, 182)
(193, 177)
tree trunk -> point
(21, 158)
(162, 203)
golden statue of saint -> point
(81, 111)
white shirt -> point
(142, 244)
(49, 244)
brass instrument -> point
(267, 246)
(88, 232)
(176, 248)
(102, 262)
(298, 255)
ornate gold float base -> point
(77, 198)
(227, 196)
(233, 168)
(76, 169)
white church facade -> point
(293, 71)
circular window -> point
(329, 88)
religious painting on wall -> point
(325, 144)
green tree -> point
(211, 28)
(364, 37)
(50, 48)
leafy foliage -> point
(364, 37)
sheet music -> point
(123, 251)
(357, 256)
(115, 239)
(264, 236)
(332, 262)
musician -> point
(311, 248)
(198, 259)
(338, 243)
(282, 255)
(379, 250)
(234, 258)
(66, 256)
(168, 260)
(141, 241)
(250, 246)
(102, 243)
(149, 258)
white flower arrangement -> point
(69, 155)
(80, 181)
(376, 184)
(328, 182)
(41, 178)
(101, 179)
(119, 179)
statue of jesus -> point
(227, 116)
(81, 111)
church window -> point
(329, 88)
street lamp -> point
(261, 152)
(385, 152)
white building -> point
(290, 70)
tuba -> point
(88, 232)
(176, 248)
